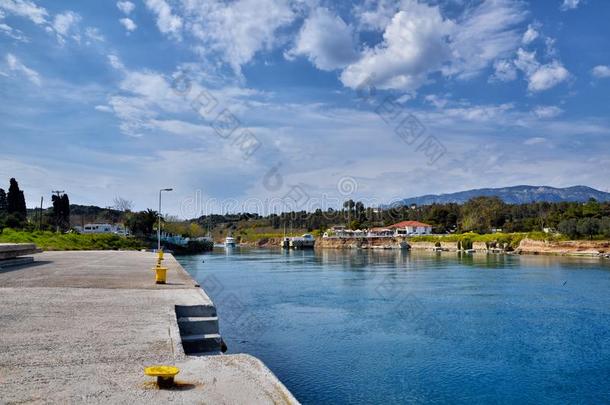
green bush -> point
(71, 241)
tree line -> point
(14, 212)
(480, 214)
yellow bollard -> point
(161, 274)
(165, 374)
(160, 255)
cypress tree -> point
(61, 211)
(3, 202)
(65, 205)
(15, 200)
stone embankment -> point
(572, 247)
(264, 243)
(362, 243)
(526, 246)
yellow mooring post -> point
(160, 274)
(160, 271)
(165, 374)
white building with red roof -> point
(405, 228)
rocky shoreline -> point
(594, 248)
(600, 248)
(526, 246)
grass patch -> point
(511, 240)
(71, 241)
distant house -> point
(342, 232)
(100, 228)
(405, 228)
(373, 232)
(338, 231)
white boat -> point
(230, 242)
(307, 241)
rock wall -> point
(527, 246)
(449, 246)
(360, 243)
(478, 246)
(422, 245)
(573, 247)
(264, 243)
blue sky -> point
(241, 105)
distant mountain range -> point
(514, 195)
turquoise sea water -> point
(417, 327)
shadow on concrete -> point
(24, 266)
(186, 285)
(181, 386)
(178, 386)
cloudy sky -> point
(235, 102)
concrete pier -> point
(79, 327)
(14, 254)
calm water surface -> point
(399, 327)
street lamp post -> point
(159, 226)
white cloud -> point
(12, 32)
(115, 62)
(540, 77)
(530, 35)
(484, 34)
(419, 41)
(94, 34)
(504, 71)
(547, 76)
(526, 61)
(65, 24)
(550, 46)
(326, 40)
(25, 8)
(414, 43)
(601, 71)
(145, 95)
(478, 113)
(178, 127)
(438, 102)
(534, 141)
(236, 30)
(375, 15)
(15, 65)
(125, 6)
(128, 24)
(167, 22)
(569, 5)
(547, 111)
(103, 108)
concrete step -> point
(198, 325)
(13, 250)
(204, 343)
(204, 336)
(186, 311)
